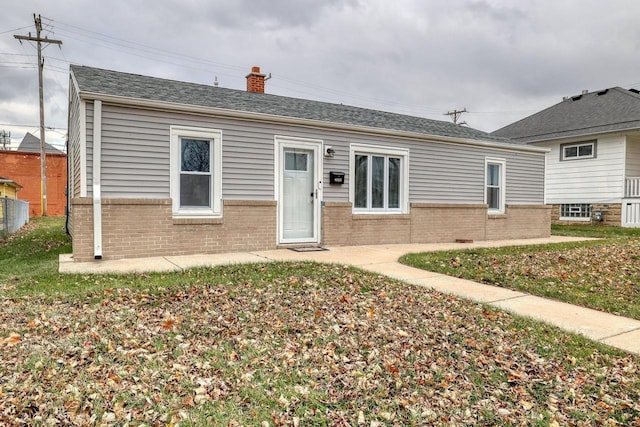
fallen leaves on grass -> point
(284, 345)
(11, 340)
(600, 275)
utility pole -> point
(43, 154)
(5, 139)
(455, 115)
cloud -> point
(248, 15)
(501, 59)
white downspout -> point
(97, 200)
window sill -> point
(573, 159)
(497, 216)
(577, 219)
(379, 215)
(197, 221)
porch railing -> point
(632, 187)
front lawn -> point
(289, 344)
(29, 258)
(595, 231)
(603, 274)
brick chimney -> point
(255, 80)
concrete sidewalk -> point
(607, 328)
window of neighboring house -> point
(575, 211)
(196, 172)
(580, 150)
(379, 179)
(495, 179)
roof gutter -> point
(581, 135)
(150, 104)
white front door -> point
(299, 191)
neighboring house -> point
(593, 168)
(31, 144)
(23, 166)
(161, 167)
(9, 188)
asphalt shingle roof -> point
(100, 81)
(608, 110)
(31, 144)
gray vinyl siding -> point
(89, 141)
(454, 173)
(135, 155)
(135, 144)
(74, 142)
(525, 178)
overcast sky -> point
(501, 60)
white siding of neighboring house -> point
(597, 180)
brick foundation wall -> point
(612, 214)
(341, 228)
(380, 229)
(520, 222)
(336, 223)
(432, 223)
(437, 223)
(134, 228)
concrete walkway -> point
(609, 329)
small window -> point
(196, 172)
(296, 161)
(581, 150)
(378, 182)
(575, 211)
(495, 185)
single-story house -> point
(593, 166)
(162, 167)
(9, 188)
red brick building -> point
(24, 167)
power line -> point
(31, 126)
(162, 55)
(143, 47)
(15, 29)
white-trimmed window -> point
(579, 150)
(495, 180)
(379, 179)
(196, 172)
(575, 211)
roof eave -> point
(581, 135)
(11, 183)
(154, 104)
